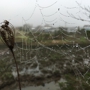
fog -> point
(41, 12)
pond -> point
(48, 86)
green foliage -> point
(82, 39)
(88, 34)
(43, 37)
(74, 83)
(55, 57)
(7, 76)
(82, 31)
(5, 71)
(62, 84)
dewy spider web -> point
(60, 51)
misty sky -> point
(41, 12)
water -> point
(30, 71)
(48, 86)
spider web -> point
(60, 50)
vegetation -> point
(59, 36)
(88, 34)
(54, 40)
(74, 83)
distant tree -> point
(19, 28)
(88, 34)
(79, 28)
(27, 27)
(82, 31)
(85, 10)
(47, 25)
(39, 27)
(58, 34)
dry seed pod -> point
(7, 35)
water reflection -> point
(48, 86)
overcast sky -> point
(41, 12)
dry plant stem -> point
(17, 69)
(8, 38)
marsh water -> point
(48, 86)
